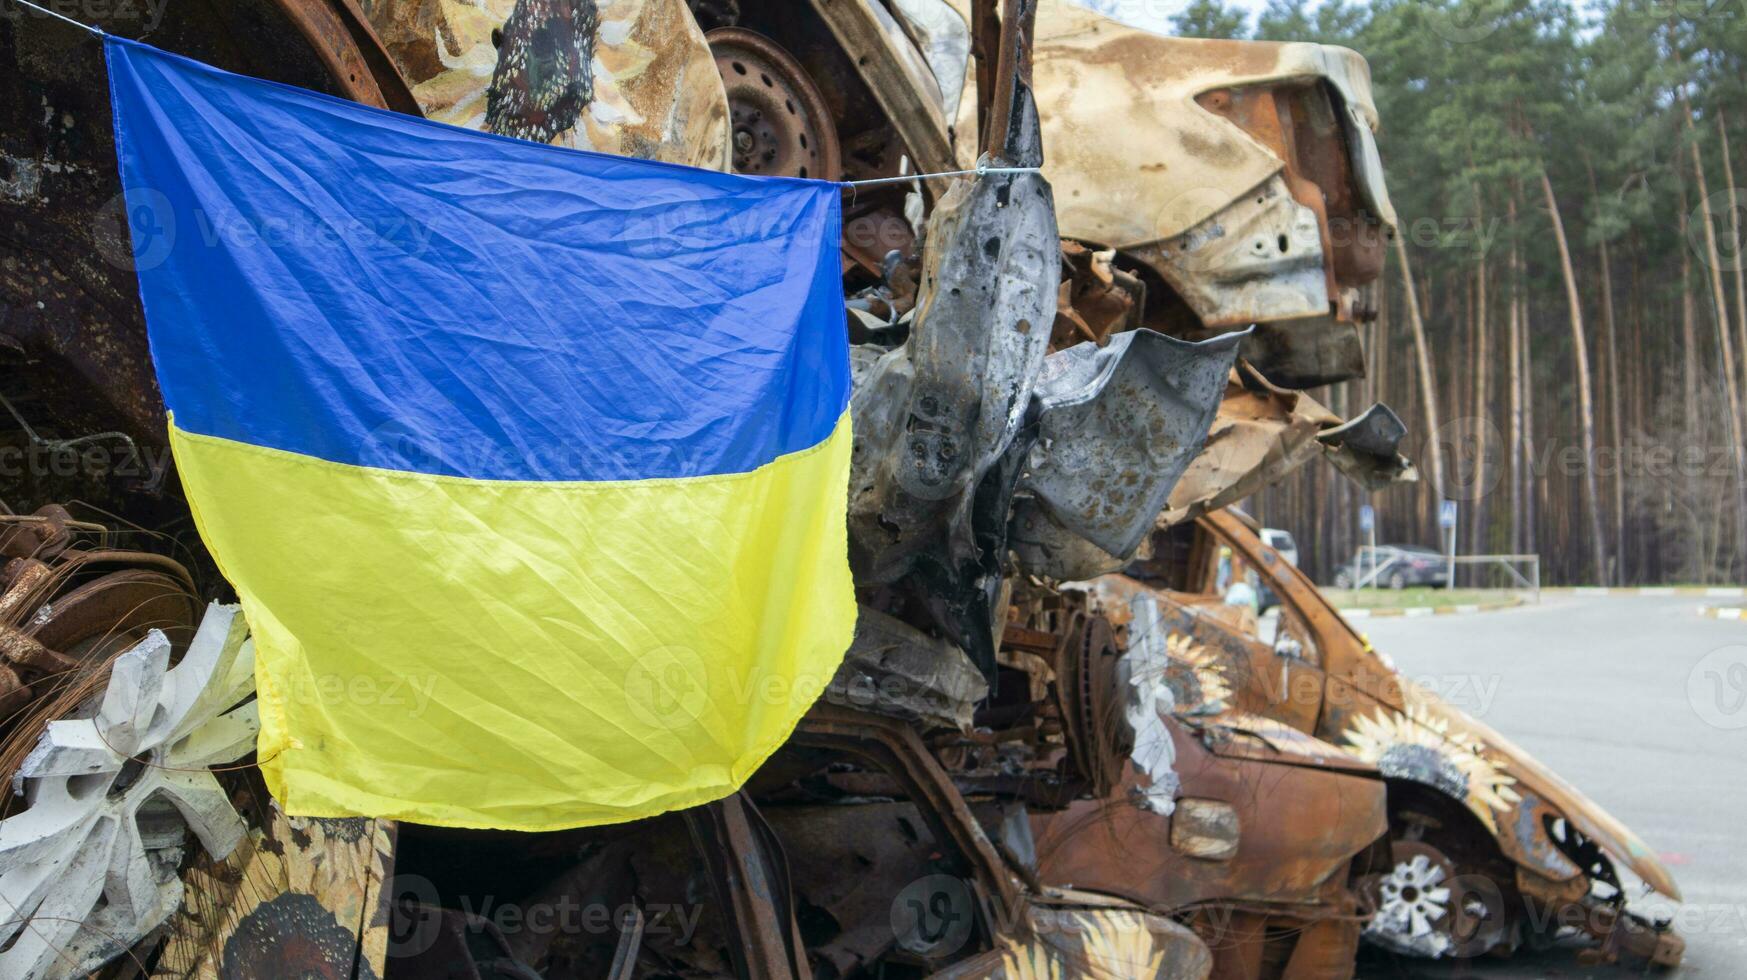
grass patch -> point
(1391, 599)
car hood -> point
(1545, 794)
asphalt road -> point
(1639, 702)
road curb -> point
(1723, 612)
(1711, 591)
(1408, 612)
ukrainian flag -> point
(529, 465)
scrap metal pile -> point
(1054, 749)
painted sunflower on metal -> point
(1196, 676)
(1419, 746)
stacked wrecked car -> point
(1053, 749)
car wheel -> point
(1398, 581)
(1424, 907)
(1343, 580)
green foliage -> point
(1479, 98)
(1211, 18)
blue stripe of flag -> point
(371, 288)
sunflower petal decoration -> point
(629, 77)
(1111, 945)
(1196, 676)
(1419, 745)
(1121, 945)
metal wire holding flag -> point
(62, 17)
(906, 178)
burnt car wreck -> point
(1049, 751)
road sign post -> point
(1447, 521)
(1368, 524)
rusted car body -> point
(1239, 180)
(1263, 852)
(1035, 384)
(1262, 834)
(850, 853)
(1520, 854)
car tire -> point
(1343, 580)
(1397, 581)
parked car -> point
(1282, 543)
(1490, 848)
(1287, 548)
(1397, 566)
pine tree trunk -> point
(1688, 325)
(1516, 394)
(1725, 342)
(1531, 475)
(1585, 396)
(1738, 259)
(1609, 333)
(1425, 370)
(1483, 427)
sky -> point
(1156, 15)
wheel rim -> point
(1419, 911)
(781, 125)
(91, 865)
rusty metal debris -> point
(895, 669)
(1058, 376)
(1263, 432)
(1116, 427)
(1259, 197)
